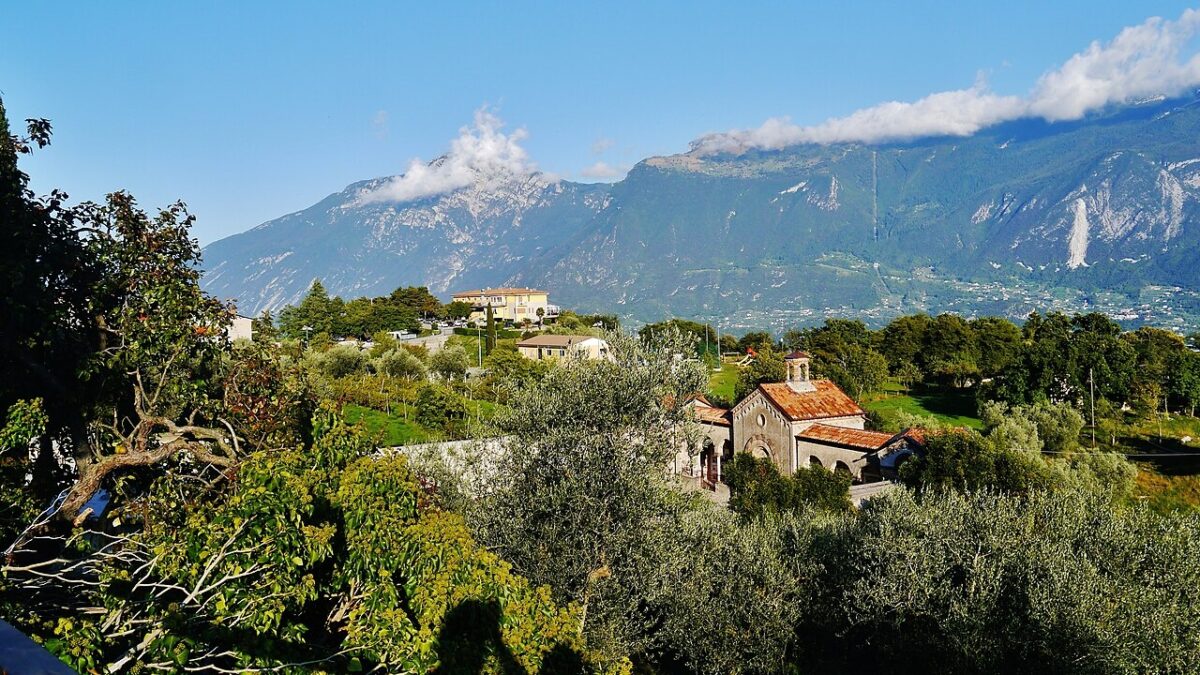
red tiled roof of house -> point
(712, 415)
(798, 354)
(828, 400)
(851, 438)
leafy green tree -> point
(605, 322)
(25, 421)
(752, 572)
(757, 340)
(419, 301)
(338, 361)
(1185, 381)
(903, 340)
(459, 310)
(999, 343)
(951, 352)
(491, 330)
(47, 338)
(1103, 473)
(906, 374)
(438, 407)
(507, 368)
(756, 487)
(1058, 583)
(698, 331)
(964, 460)
(768, 366)
(450, 362)
(263, 328)
(315, 312)
(399, 363)
(579, 499)
(859, 370)
(320, 558)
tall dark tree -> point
(45, 274)
(491, 329)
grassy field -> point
(1165, 492)
(393, 429)
(947, 405)
(384, 428)
(721, 382)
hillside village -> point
(794, 418)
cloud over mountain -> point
(603, 170)
(1156, 57)
(482, 152)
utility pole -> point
(1092, 386)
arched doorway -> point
(759, 447)
(842, 469)
(708, 462)
(813, 460)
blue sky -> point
(248, 111)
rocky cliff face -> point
(1103, 213)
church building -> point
(797, 423)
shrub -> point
(438, 407)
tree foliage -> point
(315, 558)
(756, 487)
(579, 499)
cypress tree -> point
(491, 329)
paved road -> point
(432, 342)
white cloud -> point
(482, 152)
(1157, 57)
(604, 170)
(602, 145)
(379, 124)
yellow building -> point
(509, 304)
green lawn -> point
(1164, 492)
(387, 429)
(947, 405)
(722, 382)
(392, 429)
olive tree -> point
(581, 499)
(400, 363)
(1045, 582)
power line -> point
(1151, 456)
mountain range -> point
(1100, 214)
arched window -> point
(841, 467)
(813, 460)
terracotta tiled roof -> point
(849, 438)
(826, 401)
(712, 415)
(916, 433)
(497, 291)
